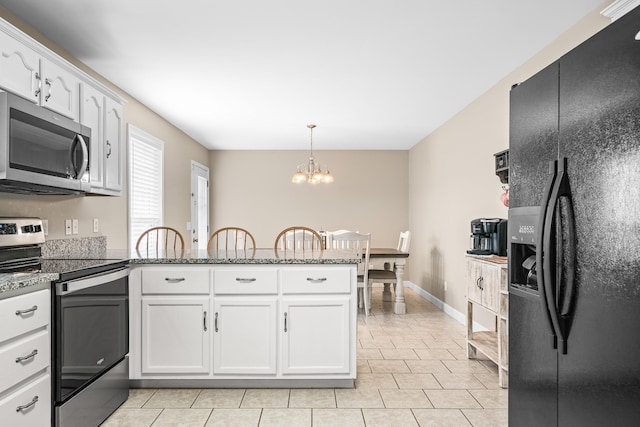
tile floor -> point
(412, 371)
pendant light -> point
(311, 171)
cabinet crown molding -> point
(619, 8)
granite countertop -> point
(262, 256)
(13, 284)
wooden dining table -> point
(398, 259)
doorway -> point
(199, 206)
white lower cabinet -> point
(316, 335)
(243, 323)
(244, 335)
(175, 335)
(25, 358)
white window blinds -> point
(145, 182)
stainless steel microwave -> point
(41, 152)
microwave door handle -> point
(85, 157)
(78, 139)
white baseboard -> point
(446, 308)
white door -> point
(244, 335)
(113, 145)
(60, 90)
(175, 335)
(315, 335)
(92, 115)
(19, 68)
(199, 206)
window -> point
(145, 182)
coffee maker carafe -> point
(488, 237)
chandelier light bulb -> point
(311, 171)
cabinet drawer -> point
(245, 281)
(24, 313)
(175, 281)
(316, 281)
(37, 414)
(16, 371)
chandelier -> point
(311, 172)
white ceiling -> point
(251, 74)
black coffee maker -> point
(488, 237)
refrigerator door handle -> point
(541, 237)
(568, 261)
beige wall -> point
(452, 178)
(253, 189)
(112, 211)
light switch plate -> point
(75, 226)
(95, 225)
(67, 227)
(45, 227)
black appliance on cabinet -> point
(488, 237)
(574, 236)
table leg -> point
(399, 307)
(386, 293)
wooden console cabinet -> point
(487, 286)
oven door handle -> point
(89, 282)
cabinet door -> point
(19, 68)
(244, 335)
(490, 286)
(60, 90)
(113, 145)
(474, 273)
(315, 335)
(175, 335)
(92, 115)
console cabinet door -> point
(244, 335)
(315, 335)
(175, 335)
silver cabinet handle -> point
(285, 321)
(215, 322)
(319, 279)
(108, 148)
(48, 83)
(37, 92)
(204, 321)
(479, 283)
(28, 310)
(174, 279)
(245, 279)
(27, 357)
(28, 405)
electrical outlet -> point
(74, 226)
(445, 286)
(95, 225)
(67, 227)
(45, 227)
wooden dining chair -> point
(359, 245)
(234, 241)
(388, 274)
(298, 240)
(158, 239)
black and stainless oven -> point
(89, 324)
(90, 340)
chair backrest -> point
(158, 239)
(356, 243)
(404, 241)
(329, 237)
(233, 241)
(298, 240)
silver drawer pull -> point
(27, 357)
(245, 279)
(175, 279)
(319, 279)
(28, 405)
(28, 310)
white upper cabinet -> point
(31, 76)
(19, 68)
(92, 115)
(114, 146)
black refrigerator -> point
(574, 231)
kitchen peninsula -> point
(243, 320)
